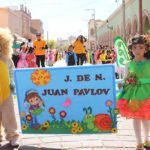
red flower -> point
(63, 114)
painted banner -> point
(67, 100)
(121, 52)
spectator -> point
(39, 49)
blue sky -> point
(62, 18)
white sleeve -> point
(125, 71)
(10, 68)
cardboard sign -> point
(67, 100)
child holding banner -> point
(134, 101)
(7, 115)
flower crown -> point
(147, 40)
(140, 39)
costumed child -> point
(50, 57)
(71, 58)
(7, 114)
(31, 58)
(134, 101)
(22, 63)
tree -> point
(52, 44)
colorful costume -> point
(7, 114)
(31, 59)
(22, 63)
(134, 101)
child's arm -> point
(10, 68)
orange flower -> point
(52, 110)
(28, 117)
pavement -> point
(123, 140)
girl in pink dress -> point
(22, 63)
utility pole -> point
(95, 28)
(140, 17)
(124, 20)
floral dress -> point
(134, 100)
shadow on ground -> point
(9, 147)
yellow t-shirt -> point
(103, 57)
(4, 82)
(38, 47)
(78, 47)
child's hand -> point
(120, 85)
(40, 103)
(12, 88)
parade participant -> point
(22, 63)
(50, 57)
(71, 58)
(16, 47)
(79, 49)
(103, 57)
(7, 114)
(108, 57)
(31, 59)
(134, 101)
(39, 49)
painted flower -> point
(80, 129)
(28, 117)
(24, 127)
(114, 130)
(52, 110)
(108, 103)
(41, 77)
(22, 114)
(74, 124)
(63, 114)
(74, 130)
(46, 124)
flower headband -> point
(141, 39)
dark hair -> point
(38, 34)
(139, 39)
(83, 39)
(23, 43)
(70, 47)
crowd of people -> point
(133, 102)
(37, 54)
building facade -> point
(114, 26)
(19, 21)
(10, 19)
(93, 26)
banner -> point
(121, 51)
(67, 100)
